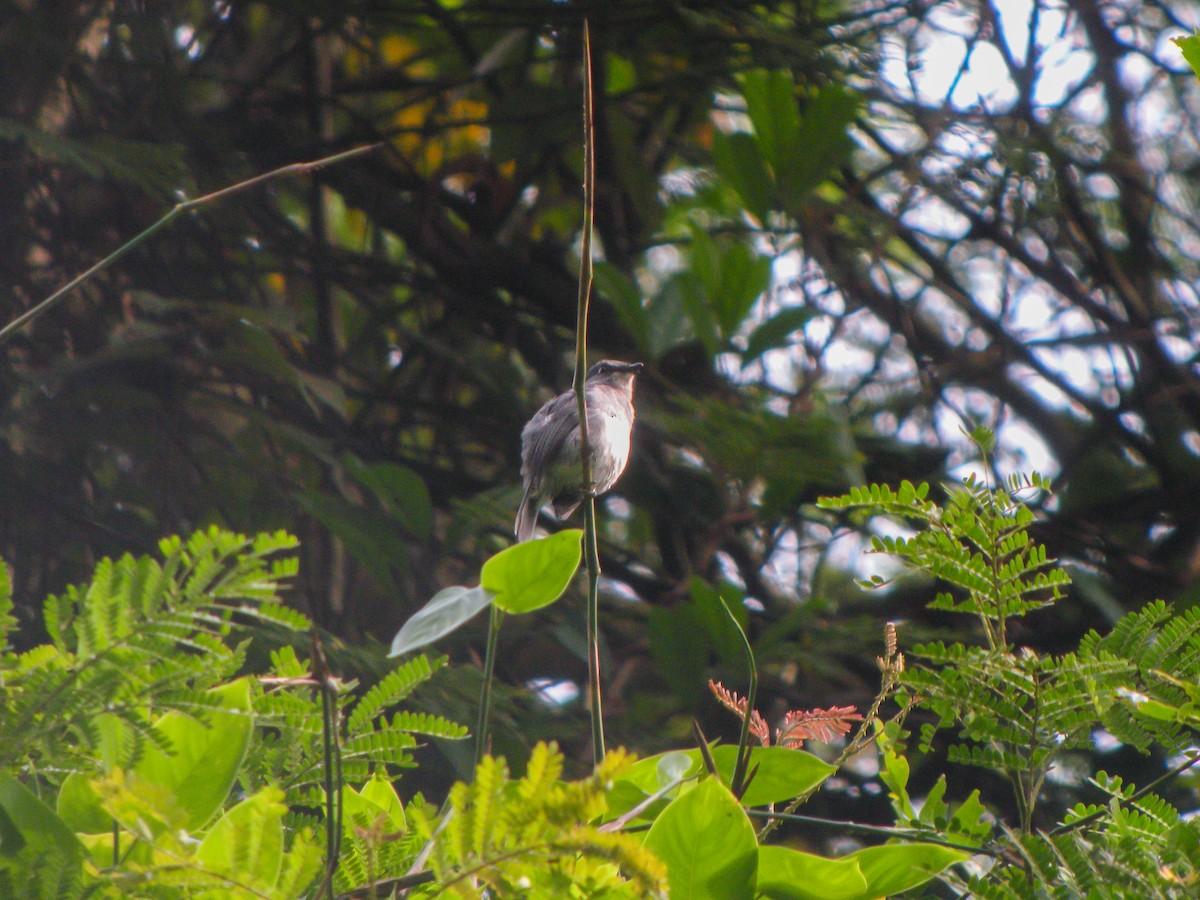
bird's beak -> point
(632, 368)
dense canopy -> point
(837, 234)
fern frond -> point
(393, 688)
(427, 724)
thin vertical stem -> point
(489, 675)
(323, 677)
(591, 551)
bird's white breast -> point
(613, 433)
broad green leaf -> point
(622, 74)
(29, 825)
(777, 331)
(401, 491)
(1164, 712)
(786, 874)
(668, 323)
(771, 104)
(375, 808)
(1189, 46)
(246, 844)
(969, 823)
(823, 143)
(11, 840)
(740, 163)
(783, 773)
(745, 276)
(80, 806)
(892, 868)
(380, 791)
(206, 753)
(707, 843)
(533, 574)
(449, 609)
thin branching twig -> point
(179, 209)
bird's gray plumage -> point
(550, 463)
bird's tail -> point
(527, 514)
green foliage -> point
(291, 753)
(519, 579)
(530, 837)
(781, 773)
(707, 843)
(1015, 712)
(134, 722)
(1189, 46)
(142, 637)
(532, 574)
(977, 542)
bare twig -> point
(179, 209)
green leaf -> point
(969, 824)
(707, 843)
(705, 259)
(80, 806)
(893, 772)
(449, 609)
(786, 874)
(783, 773)
(11, 841)
(777, 331)
(622, 74)
(1190, 48)
(668, 323)
(246, 844)
(740, 162)
(984, 438)
(380, 791)
(533, 574)
(892, 868)
(823, 142)
(362, 812)
(206, 753)
(745, 276)
(399, 489)
(771, 105)
(31, 826)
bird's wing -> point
(544, 435)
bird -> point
(550, 460)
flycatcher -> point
(550, 461)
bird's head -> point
(613, 372)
